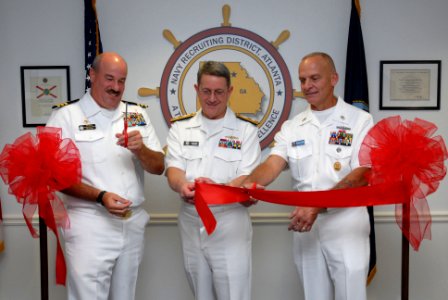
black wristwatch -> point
(99, 199)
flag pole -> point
(356, 92)
(43, 259)
(405, 254)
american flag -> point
(92, 37)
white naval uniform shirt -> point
(105, 165)
(231, 151)
(218, 266)
(320, 155)
(331, 259)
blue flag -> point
(356, 92)
(356, 89)
(92, 37)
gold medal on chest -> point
(337, 166)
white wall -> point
(50, 32)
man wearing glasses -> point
(214, 145)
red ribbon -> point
(406, 165)
(382, 194)
(35, 168)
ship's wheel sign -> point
(262, 83)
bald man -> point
(104, 244)
(320, 146)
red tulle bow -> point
(35, 168)
(406, 151)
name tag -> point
(191, 143)
(298, 143)
(87, 127)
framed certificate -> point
(42, 87)
(410, 84)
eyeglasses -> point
(208, 92)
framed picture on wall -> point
(410, 84)
(42, 88)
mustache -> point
(113, 92)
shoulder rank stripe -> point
(59, 105)
(247, 119)
(135, 103)
(183, 117)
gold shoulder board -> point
(135, 103)
(64, 104)
(183, 117)
(247, 119)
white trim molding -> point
(257, 218)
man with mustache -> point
(104, 244)
(320, 146)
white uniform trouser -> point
(103, 253)
(333, 258)
(218, 266)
